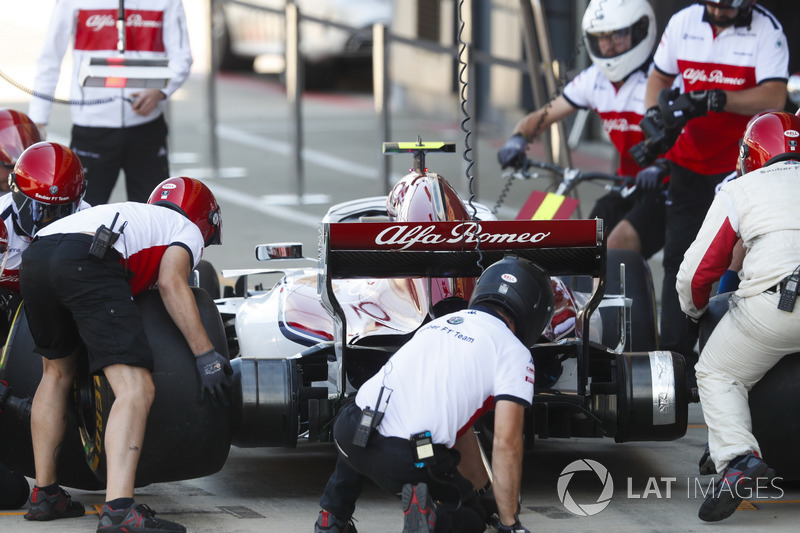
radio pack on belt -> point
(104, 238)
(789, 289)
(370, 420)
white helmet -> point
(627, 17)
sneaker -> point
(418, 509)
(736, 482)
(328, 523)
(138, 518)
(706, 465)
(44, 507)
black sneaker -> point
(328, 523)
(418, 509)
(138, 518)
(706, 465)
(44, 507)
(736, 482)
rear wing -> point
(458, 249)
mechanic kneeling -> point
(410, 427)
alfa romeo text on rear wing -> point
(458, 249)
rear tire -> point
(775, 409)
(185, 438)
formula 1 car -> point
(302, 348)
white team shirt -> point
(154, 29)
(736, 59)
(621, 109)
(761, 209)
(149, 231)
(16, 243)
(448, 374)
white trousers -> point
(749, 340)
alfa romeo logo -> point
(591, 508)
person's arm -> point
(708, 256)
(178, 298)
(770, 95)
(176, 46)
(507, 458)
(533, 124)
(471, 465)
(656, 81)
(48, 67)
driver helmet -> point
(770, 138)
(523, 290)
(46, 184)
(17, 132)
(619, 35)
(191, 198)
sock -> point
(50, 490)
(120, 503)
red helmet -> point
(195, 201)
(770, 138)
(47, 184)
(17, 132)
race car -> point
(386, 265)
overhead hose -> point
(462, 48)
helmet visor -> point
(610, 44)
(725, 4)
(33, 215)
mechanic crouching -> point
(763, 322)
(410, 427)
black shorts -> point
(645, 211)
(71, 298)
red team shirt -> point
(620, 109)
(153, 29)
(150, 230)
(735, 60)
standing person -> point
(763, 322)
(17, 132)
(483, 352)
(619, 36)
(732, 60)
(115, 129)
(77, 291)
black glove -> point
(213, 370)
(650, 178)
(693, 104)
(658, 138)
(516, 528)
(513, 152)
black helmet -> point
(522, 289)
